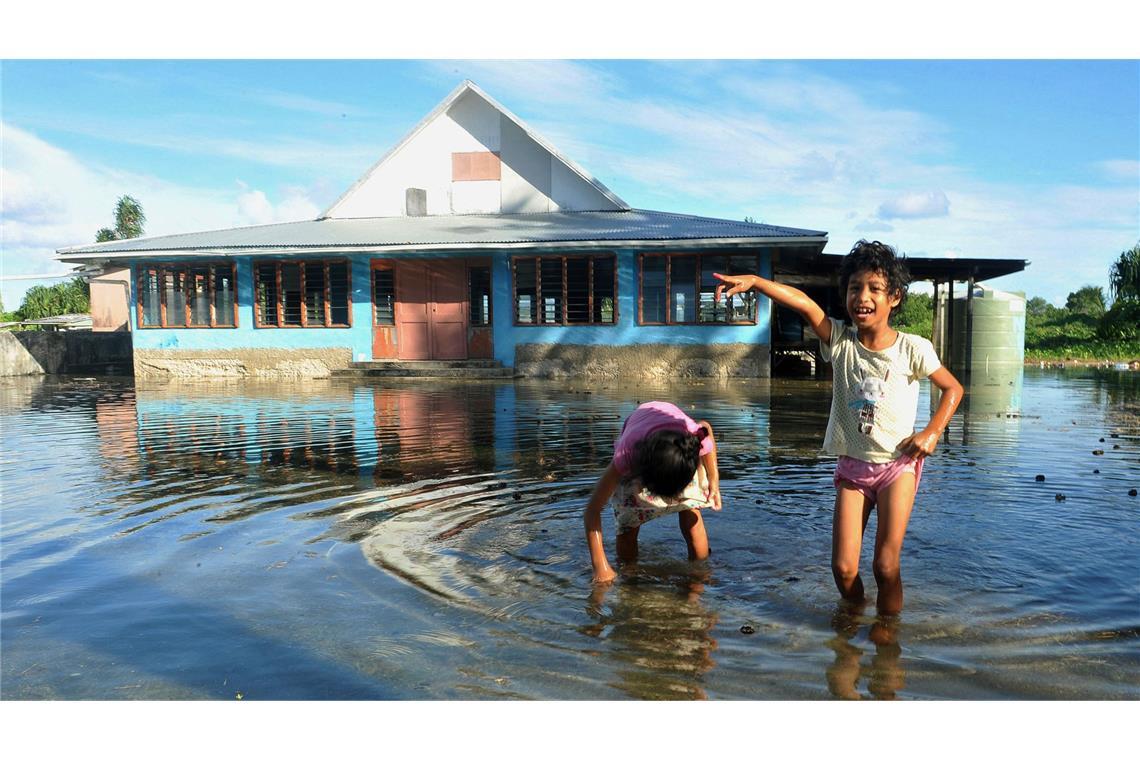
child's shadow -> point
(885, 673)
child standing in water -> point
(663, 462)
(874, 401)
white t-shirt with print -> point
(874, 395)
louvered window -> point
(187, 295)
(678, 289)
(303, 294)
(565, 290)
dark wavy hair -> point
(877, 257)
(667, 460)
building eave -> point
(341, 250)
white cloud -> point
(1126, 170)
(915, 206)
(53, 200)
(874, 226)
(256, 208)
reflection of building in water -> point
(558, 433)
(117, 421)
(228, 430)
(423, 432)
(660, 637)
(797, 419)
(383, 434)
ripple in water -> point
(426, 541)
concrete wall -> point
(110, 293)
(650, 361)
(35, 352)
(236, 363)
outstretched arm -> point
(785, 295)
(709, 461)
(924, 442)
(604, 489)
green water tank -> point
(997, 349)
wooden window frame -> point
(390, 265)
(489, 266)
(562, 322)
(700, 257)
(302, 264)
(161, 270)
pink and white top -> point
(646, 420)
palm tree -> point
(1124, 276)
(129, 220)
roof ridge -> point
(722, 221)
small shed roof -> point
(824, 268)
(944, 269)
(61, 321)
(577, 229)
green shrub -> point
(1121, 322)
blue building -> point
(472, 239)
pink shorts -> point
(871, 477)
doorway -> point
(420, 309)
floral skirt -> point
(634, 505)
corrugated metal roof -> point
(457, 232)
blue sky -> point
(1037, 160)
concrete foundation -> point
(252, 362)
(653, 361)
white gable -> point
(517, 171)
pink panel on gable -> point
(480, 165)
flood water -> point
(424, 540)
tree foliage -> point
(1083, 329)
(129, 221)
(1088, 300)
(1124, 275)
(1038, 307)
(72, 297)
(916, 315)
(1121, 322)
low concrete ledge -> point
(39, 352)
(650, 361)
(235, 363)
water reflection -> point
(658, 633)
(326, 517)
(885, 673)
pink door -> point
(413, 311)
(448, 309)
(431, 309)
